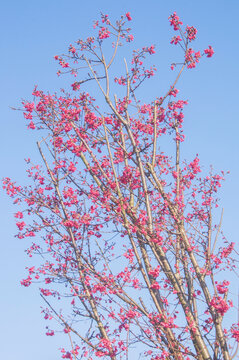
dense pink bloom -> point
(220, 305)
(99, 181)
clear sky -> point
(32, 32)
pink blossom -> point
(235, 332)
(104, 33)
(31, 125)
(130, 38)
(155, 272)
(29, 106)
(50, 333)
(222, 288)
(72, 49)
(209, 52)
(175, 40)
(71, 167)
(174, 92)
(191, 33)
(26, 282)
(227, 250)
(21, 225)
(155, 285)
(219, 305)
(149, 49)
(174, 21)
(75, 86)
(129, 18)
(19, 215)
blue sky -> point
(32, 32)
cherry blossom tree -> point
(125, 231)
